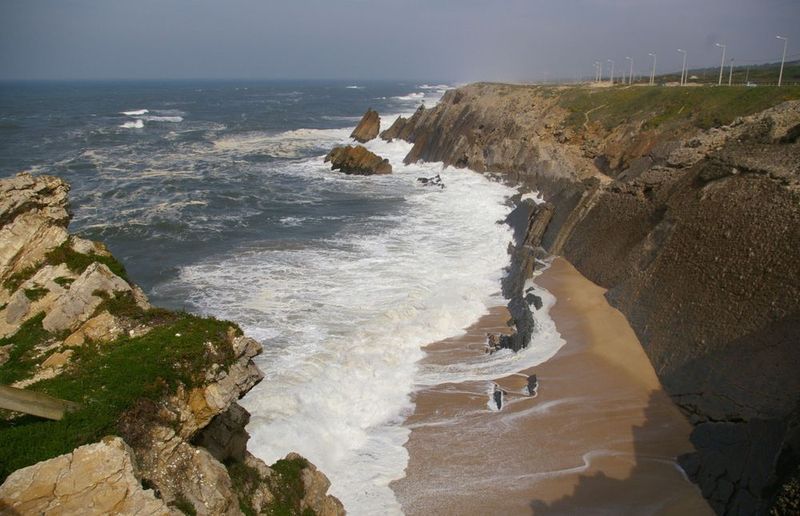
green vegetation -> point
(288, 488)
(78, 262)
(761, 75)
(36, 293)
(286, 485)
(75, 261)
(701, 107)
(13, 282)
(245, 480)
(185, 506)
(63, 281)
(107, 381)
(21, 360)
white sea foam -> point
(134, 124)
(411, 96)
(545, 342)
(438, 87)
(348, 320)
(288, 144)
(344, 321)
(535, 196)
(155, 118)
(292, 221)
(136, 112)
(354, 87)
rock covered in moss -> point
(355, 159)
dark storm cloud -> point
(447, 39)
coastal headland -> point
(683, 204)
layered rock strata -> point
(368, 128)
(694, 232)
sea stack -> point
(368, 128)
(357, 160)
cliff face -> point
(695, 232)
(155, 390)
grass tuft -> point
(36, 293)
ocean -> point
(215, 197)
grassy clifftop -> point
(702, 107)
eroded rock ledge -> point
(155, 431)
(691, 218)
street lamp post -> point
(611, 79)
(730, 74)
(783, 59)
(722, 64)
(630, 71)
(683, 67)
(653, 72)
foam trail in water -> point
(136, 112)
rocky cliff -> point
(157, 429)
(686, 206)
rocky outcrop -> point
(33, 221)
(693, 232)
(100, 478)
(528, 221)
(355, 159)
(368, 128)
(402, 127)
(84, 295)
(61, 293)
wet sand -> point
(600, 437)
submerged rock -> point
(355, 159)
(368, 128)
(497, 395)
(533, 385)
(432, 181)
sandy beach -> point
(600, 437)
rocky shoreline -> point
(692, 226)
(156, 428)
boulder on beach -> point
(368, 128)
(355, 159)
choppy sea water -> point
(216, 198)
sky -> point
(450, 40)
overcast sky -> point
(453, 40)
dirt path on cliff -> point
(600, 437)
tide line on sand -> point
(600, 434)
